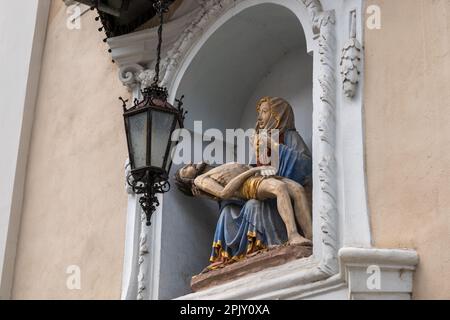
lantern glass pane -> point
(173, 146)
(137, 125)
(161, 132)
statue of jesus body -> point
(234, 180)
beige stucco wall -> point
(407, 117)
(74, 202)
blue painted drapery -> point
(245, 227)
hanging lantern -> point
(150, 125)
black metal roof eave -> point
(129, 14)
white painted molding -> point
(326, 197)
(289, 281)
(301, 280)
(149, 255)
(378, 273)
(143, 258)
(130, 262)
(22, 49)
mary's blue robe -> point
(245, 227)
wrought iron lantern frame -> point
(149, 180)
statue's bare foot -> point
(297, 239)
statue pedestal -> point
(365, 273)
(262, 260)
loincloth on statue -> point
(249, 189)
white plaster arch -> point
(319, 30)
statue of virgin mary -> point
(247, 227)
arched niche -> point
(258, 51)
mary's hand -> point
(196, 191)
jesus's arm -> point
(212, 187)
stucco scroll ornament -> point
(136, 75)
(351, 61)
(128, 75)
(146, 77)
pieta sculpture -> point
(261, 206)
